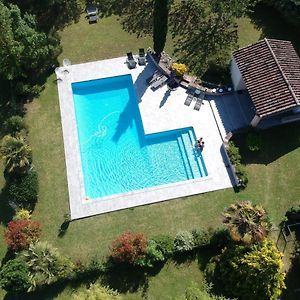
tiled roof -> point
(271, 71)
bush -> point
(14, 125)
(22, 214)
(220, 238)
(252, 272)
(240, 170)
(253, 141)
(21, 233)
(96, 292)
(14, 276)
(23, 191)
(184, 241)
(46, 265)
(153, 255)
(293, 214)
(165, 244)
(180, 69)
(129, 248)
(202, 238)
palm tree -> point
(247, 223)
(16, 154)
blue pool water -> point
(116, 155)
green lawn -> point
(273, 174)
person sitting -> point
(199, 142)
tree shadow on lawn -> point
(126, 279)
(6, 211)
(276, 142)
(273, 25)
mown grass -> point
(273, 173)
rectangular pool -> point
(116, 156)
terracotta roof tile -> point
(271, 71)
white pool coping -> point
(157, 116)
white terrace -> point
(161, 110)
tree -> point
(290, 9)
(252, 272)
(129, 248)
(96, 292)
(16, 154)
(160, 25)
(45, 264)
(23, 49)
(247, 223)
(21, 233)
(14, 276)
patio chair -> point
(198, 104)
(155, 76)
(188, 99)
(131, 63)
(142, 57)
(159, 82)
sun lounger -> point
(188, 100)
(155, 76)
(198, 104)
(131, 63)
(142, 57)
(159, 82)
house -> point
(270, 72)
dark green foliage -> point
(251, 272)
(220, 238)
(293, 215)
(202, 238)
(165, 244)
(160, 25)
(14, 276)
(184, 241)
(23, 191)
(14, 125)
(153, 255)
(253, 141)
(240, 169)
(290, 9)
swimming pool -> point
(116, 155)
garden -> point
(168, 250)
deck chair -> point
(159, 82)
(198, 104)
(131, 63)
(188, 100)
(142, 57)
(156, 75)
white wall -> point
(236, 77)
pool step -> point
(182, 149)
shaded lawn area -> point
(275, 184)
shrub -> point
(252, 272)
(234, 153)
(241, 173)
(96, 292)
(46, 265)
(23, 191)
(220, 238)
(253, 141)
(202, 238)
(153, 255)
(21, 233)
(14, 276)
(129, 248)
(293, 214)
(180, 69)
(184, 241)
(16, 154)
(22, 214)
(165, 244)
(14, 125)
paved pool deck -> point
(161, 110)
